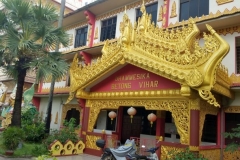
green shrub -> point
(39, 150)
(66, 133)
(33, 127)
(185, 155)
(11, 137)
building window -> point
(108, 29)
(238, 54)
(193, 8)
(150, 9)
(81, 37)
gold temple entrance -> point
(173, 54)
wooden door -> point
(130, 129)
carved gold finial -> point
(160, 14)
(173, 10)
(125, 10)
(211, 30)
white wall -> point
(56, 107)
(229, 60)
(214, 7)
(101, 120)
(57, 85)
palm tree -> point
(27, 36)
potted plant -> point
(11, 138)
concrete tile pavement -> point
(75, 157)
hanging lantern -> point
(152, 117)
(112, 115)
(131, 111)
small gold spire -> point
(125, 9)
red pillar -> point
(85, 114)
(36, 102)
(160, 127)
(119, 122)
(87, 57)
(160, 124)
(91, 21)
(194, 129)
(219, 128)
(165, 13)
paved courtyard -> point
(77, 157)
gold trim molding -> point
(207, 17)
(235, 79)
(129, 95)
(232, 109)
(56, 90)
(219, 2)
(194, 148)
(178, 107)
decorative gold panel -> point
(178, 107)
(231, 155)
(211, 154)
(165, 150)
(91, 142)
(235, 79)
(173, 10)
(160, 14)
(232, 109)
(219, 2)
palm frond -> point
(45, 14)
(50, 65)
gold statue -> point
(160, 14)
(173, 10)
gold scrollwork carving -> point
(232, 109)
(195, 104)
(211, 154)
(209, 97)
(91, 142)
(219, 2)
(194, 148)
(231, 155)
(173, 10)
(194, 78)
(160, 14)
(165, 150)
(178, 107)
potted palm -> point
(11, 138)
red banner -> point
(132, 78)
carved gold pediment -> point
(174, 54)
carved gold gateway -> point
(68, 107)
(178, 107)
(174, 54)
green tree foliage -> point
(27, 37)
(233, 135)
